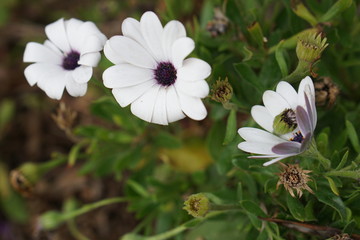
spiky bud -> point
(221, 91)
(310, 46)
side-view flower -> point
(289, 118)
(66, 59)
(150, 72)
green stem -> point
(169, 233)
(301, 71)
(224, 207)
(313, 152)
(46, 166)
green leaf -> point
(253, 208)
(256, 34)
(239, 192)
(166, 140)
(295, 207)
(332, 201)
(343, 160)
(138, 188)
(309, 211)
(304, 13)
(74, 152)
(280, 58)
(353, 135)
(336, 9)
(230, 128)
(248, 75)
(348, 174)
(333, 186)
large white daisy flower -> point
(150, 72)
(66, 59)
(289, 118)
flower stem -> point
(313, 152)
(301, 70)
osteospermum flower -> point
(289, 118)
(66, 59)
(152, 74)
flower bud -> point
(197, 205)
(325, 92)
(310, 46)
(285, 122)
(221, 91)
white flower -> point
(296, 110)
(150, 72)
(66, 59)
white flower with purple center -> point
(289, 118)
(66, 59)
(152, 74)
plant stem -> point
(301, 70)
(224, 207)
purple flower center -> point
(298, 137)
(70, 61)
(165, 74)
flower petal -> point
(53, 81)
(198, 89)
(262, 117)
(173, 108)
(90, 59)
(303, 120)
(152, 31)
(306, 142)
(113, 56)
(125, 75)
(34, 72)
(276, 160)
(173, 30)
(274, 102)
(36, 52)
(129, 51)
(288, 93)
(52, 46)
(194, 69)
(131, 29)
(127, 95)
(257, 148)
(91, 44)
(75, 89)
(57, 34)
(72, 29)
(258, 136)
(160, 115)
(82, 74)
(181, 49)
(89, 28)
(287, 148)
(193, 107)
(143, 107)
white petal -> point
(198, 89)
(57, 34)
(75, 89)
(53, 81)
(52, 46)
(82, 74)
(127, 95)
(72, 29)
(143, 107)
(174, 112)
(180, 50)
(131, 29)
(89, 28)
(258, 136)
(287, 148)
(91, 44)
(90, 59)
(303, 120)
(262, 117)
(194, 69)
(112, 55)
(125, 75)
(35, 71)
(173, 30)
(276, 160)
(152, 30)
(274, 102)
(131, 52)
(288, 93)
(159, 115)
(36, 52)
(257, 148)
(193, 107)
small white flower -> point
(297, 110)
(66, 59)
(150, 72)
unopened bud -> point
(197, 205)
(310, 46)
(325, 92)
(285, 122)
(221, 91)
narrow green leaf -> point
(239, 192)
(279, 56)
(74, 152)
(333, 186)
(256, 222)
(138, 188)
(347, 174)
(353, 135)
(230, 128)
(336, 9)
(252, 207)
(332, 201)
(247, 74)
(309, 211)
(343, 160)
(305, 14)
(256, 34)
(295, 207)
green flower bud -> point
(197, 205)
(310, 46)
(50, 220)
(221, 91)
(285, 122)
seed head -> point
(326, 92)
(310, 46)
(197, 205)
(221, 91)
